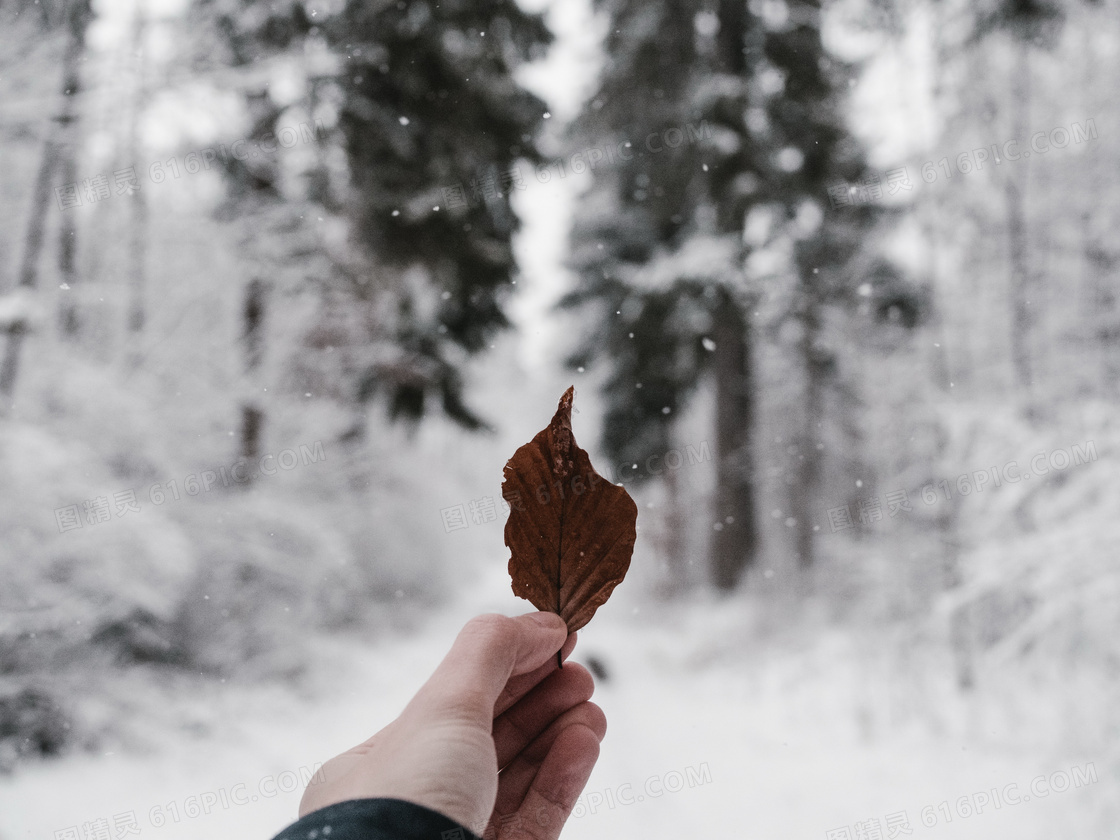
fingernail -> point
(548, 620)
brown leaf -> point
(570, 531)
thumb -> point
(488, 651)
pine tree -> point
(431, 125)
(660, 248)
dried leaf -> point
(570, 531)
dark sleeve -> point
(375, 819)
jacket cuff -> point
(375, 819)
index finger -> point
(488, 651)
(519, 686)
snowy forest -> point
(284, 284)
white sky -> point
(565, 79)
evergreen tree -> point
(432, 126)
(660, 245)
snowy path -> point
(706, 738)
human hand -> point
(497, 736)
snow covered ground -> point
(717, 726)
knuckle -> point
(490, 627)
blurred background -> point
(284, 284)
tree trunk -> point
(10, 366)
(29, 269)
(735, 538)
(1100, 293)
(1014, 195)
(78, 22)
(931, 211)
(809, 453)
(138, 244)
(67, 247)
(674, 542)
(731, 38)
(40, 207)
(252, 415)
(49, 164)
(252, 422)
